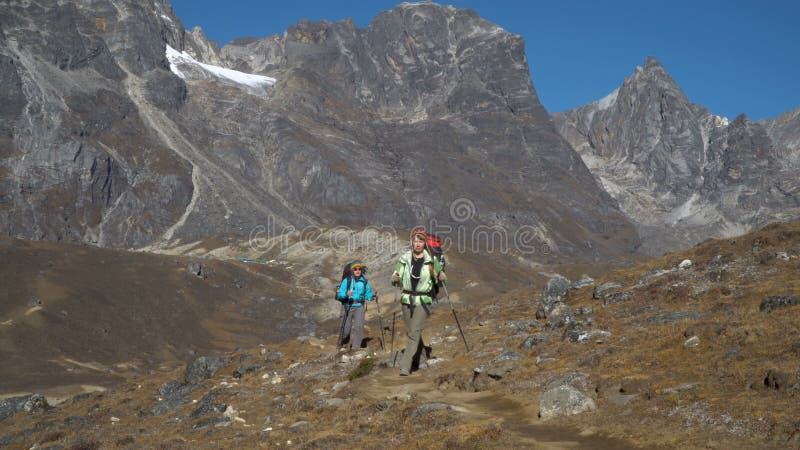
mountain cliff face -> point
(784, 131)
(120, 128)
(680, 173)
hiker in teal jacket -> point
(353, 304)
(416, 272)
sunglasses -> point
(356, 268)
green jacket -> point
(426, 281)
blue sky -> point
(731, 56)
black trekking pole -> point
(344, 321)
(447, 294)
(394, 314)
(380, 321)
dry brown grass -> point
(709, 396)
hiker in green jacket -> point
(416, 272)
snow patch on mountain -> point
(182, 59)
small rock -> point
(320, 391)
(680, 388)
(242, 371)
(430, 407)
(542, 359)
(732, 353)
(778, 380)
(334, 402)
(564, 401)
(34, 301)
(601, 290)
(299, 425)
(507, 355)
(230, 413)
(197, 270)
(500, 370)
(433, 361)
(312, 340)
(383, 405)
(583, 282)
(669, 317)
(685, 264)
(616, 297)
(359, 355)
(336, 387)
(274, 356)
(203, 368)
(773, 303)
(207, 405)
(522, 326)
(693, 341)
(534, 340)
(401, 397)
(581, 336)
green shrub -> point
(362, 369)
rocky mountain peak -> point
(201, 48)
(327, 123)
(681, 173)
(654, 79)
(651, 63)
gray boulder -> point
(430, 407)
(25, 403)
(564, 400)
(602, 290)
(534, 340)
(776, 302)
(203, 368)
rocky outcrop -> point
(784, 131)
(680, 173)
(110, 142)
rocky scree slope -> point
(679, 172)
(388, 125)
(695, 349)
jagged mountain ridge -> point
(388, 125)
(679, 172)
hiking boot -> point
(404, 373)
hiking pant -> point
(353, 325)
(414, 318)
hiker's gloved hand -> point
(442, 276)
